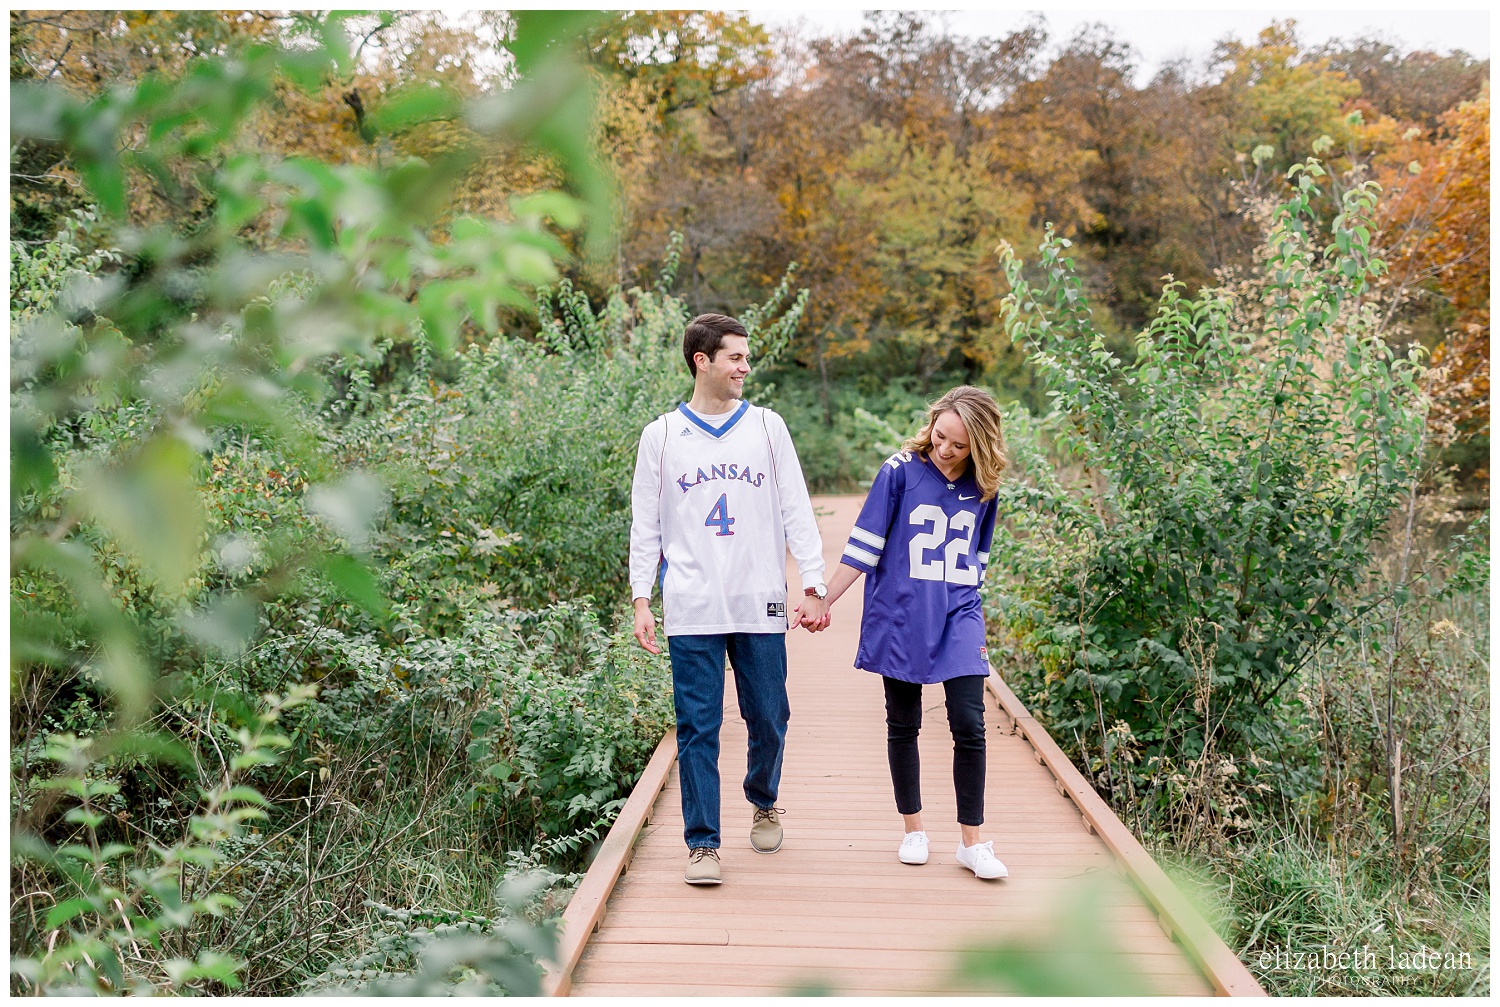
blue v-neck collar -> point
(966, 479)
(718, 431)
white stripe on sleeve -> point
(855, 552)
(868, 538)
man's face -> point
(724, 376)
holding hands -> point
(812, 614)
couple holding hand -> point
(717, 499)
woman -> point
(923, 539)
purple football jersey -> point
(923, 543)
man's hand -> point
(812, 614)
(645, 626)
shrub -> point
(118, 913)
(514, 475)
(1225, 492)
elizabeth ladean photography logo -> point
(1364, 958)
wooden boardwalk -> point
(834, 910)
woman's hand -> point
(812, 613)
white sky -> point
(1158, 36)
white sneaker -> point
(981, 859)
(913, 848)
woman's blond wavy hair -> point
(980, 414)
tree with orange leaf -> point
(1436, 222)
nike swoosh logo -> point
(962, 497)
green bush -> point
(1221, 496)
(513, 475)
(870, 419)
(542, 718)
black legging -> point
(903, 720)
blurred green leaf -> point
(31, 467)
(529, 265)
(116, 658)
(38, 111)
(559, 207)
(156, 746)
(227, 624)
(246, 794)
(440, 319)
(349, 506)
(540, 33)
(65, 911)
(355, 582)
(415, 104)
(1072, 955)
(151, 503)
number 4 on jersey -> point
(719, 517)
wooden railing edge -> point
(586, 907)
(1220, 965)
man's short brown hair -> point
(705, 334)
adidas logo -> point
(686, 432)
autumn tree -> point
(87, 52)
(1436, 227)
(937, 217)
(1414, 87)
(1103, 162)
(884, 157)
(671, 82)
(1275, 93)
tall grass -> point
(1280, 891)
(1365, 862)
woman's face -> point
(950, 442)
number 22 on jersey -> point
(951, 567)
(719, 517)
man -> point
(717, 498)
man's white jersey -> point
(714, 509)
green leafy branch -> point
(113, 932)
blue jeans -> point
(759, 662)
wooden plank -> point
(882, 860)
(801, 891)
(586, 906)
(662, 911)
(1144, 935)
(851, 910)
(667, 979)
(1221, 966)
(943, 878)
(1064, 820)
(667, 988)
(674, 986)
(660, 935)
(904, 960)
(882, 848)
(813, 881)
(656, 945)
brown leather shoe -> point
(765, 830)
